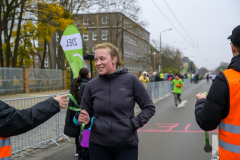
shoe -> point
(180, 101)
(76, 154)
(176, 106)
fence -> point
(159, 89)
(11, 80)
(20, 80)
(42, 79)
(52, 129)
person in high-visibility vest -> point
(221, 107)
(14, 122)
(161, 76)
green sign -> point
(71, 43)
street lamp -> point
(161, 47)
(154, 61)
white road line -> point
(182, 103)
(214, 143)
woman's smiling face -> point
(104, 62)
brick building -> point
(116, 28)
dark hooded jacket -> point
(14, 122)
(110, 99)
(210, 111)
(157, 78)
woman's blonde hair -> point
(113, 51)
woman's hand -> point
(201, 95)
(84, 117)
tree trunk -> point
(49, 54)
(14, 60)
(44, 55)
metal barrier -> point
(52, 129)
(157, 90)
(11, 80)
(42, 79)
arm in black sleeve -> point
(14, 122)
(145, 103)
(210, 111)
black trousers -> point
(107, 153)
(78, 148)
(85, 154)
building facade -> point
(116, 28)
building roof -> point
(113, 13)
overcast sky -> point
(207, 22)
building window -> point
(46, 62)
(85, 21)
(85, 36)
(76, 22)
(46, 47)
(104, 20)
(93, 50)
(57, 37)
(36, 58)
(86, 51)
(31, 57)
(104, 35)
(94, 35)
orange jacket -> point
(229, 128)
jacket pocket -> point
(124, 133)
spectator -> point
(170, 75)
(77, 88)
(213, 77)
(157, 77)
(161, 76)
(144, 79)
(152, 77)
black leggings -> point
(97, 152)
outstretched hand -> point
(201, 95)
(62, 101)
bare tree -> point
(222, 66)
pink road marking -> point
(187, 127)
(158, 124)
(167, 131)
(167, 127)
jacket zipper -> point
(110, 110)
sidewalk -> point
(35, 94)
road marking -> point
(169, 127)
(214, 143)
(182, 103)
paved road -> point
(172, 134)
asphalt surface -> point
(172, 134)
